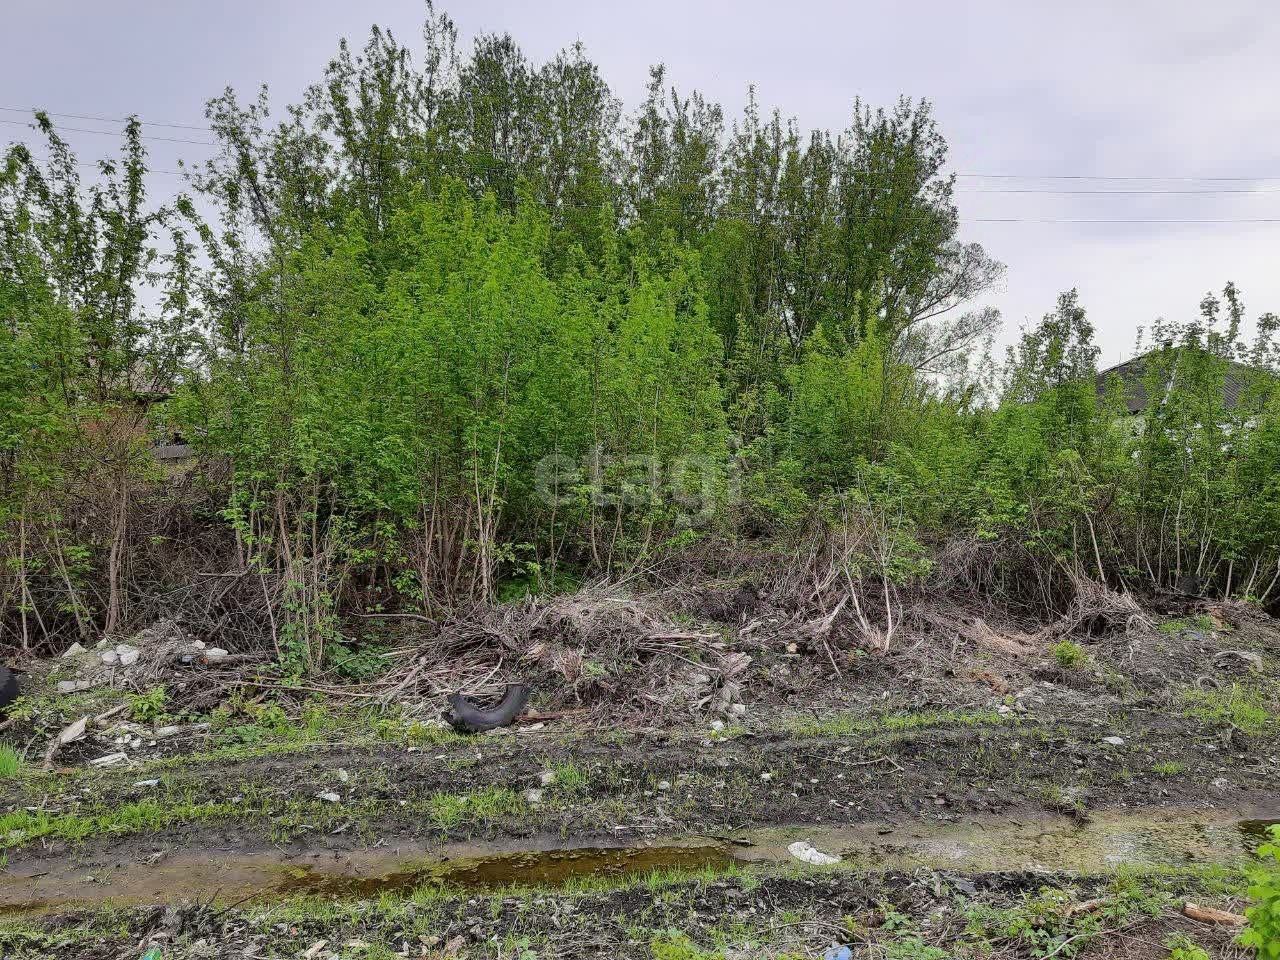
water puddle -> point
(551, 868)
(1163, 838)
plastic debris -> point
(805, 851)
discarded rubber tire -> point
(469, 718)
(8, 688)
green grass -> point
(569, 779)
(1244, 708)
(481, 806)
(24, 826)
(1202, 622)
(10, 762)
(850, 724)
(1168, 768)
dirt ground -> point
(759, 723)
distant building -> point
(1133, 376)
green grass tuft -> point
(10, 762)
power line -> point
(87, 116)
(1119, 220)
(1090, 176)
(113, 133)
(1125, 193)
(1145, 178)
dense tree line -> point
(455, 325)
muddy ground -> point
(1166, 719)
(902, 916)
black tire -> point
(469, 718)
(8, 688)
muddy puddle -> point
(1108, 841)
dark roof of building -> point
(1133, 380)
(173, 451)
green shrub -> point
(147, 707)
(1068, 654)
(1263, 932)
(1181, 947)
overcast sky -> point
(1176, 89)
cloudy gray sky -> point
(1176, 89)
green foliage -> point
(363, 664)
(147, 707)
(1263, 930)
(455, 330)
(674, 945)
(1182, 947)
(1068, 654)
(914, 948)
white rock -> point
(198, 644)
(111, 658)
(717, 725)
(766, 777)
(123, 648)
(110, 760)
(1114, 741)
(214, 653)
(547, 778)
(74, 686)
(328, 795)
(147, 783)
(738, 709)
(344, 776)
(165, 732)
(129, 658)
(664, 784)
(805, 851)
(72, 651)
(533, 795)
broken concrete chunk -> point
(111, 658)
(74, 686)
(129, 658)
(214, 653)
